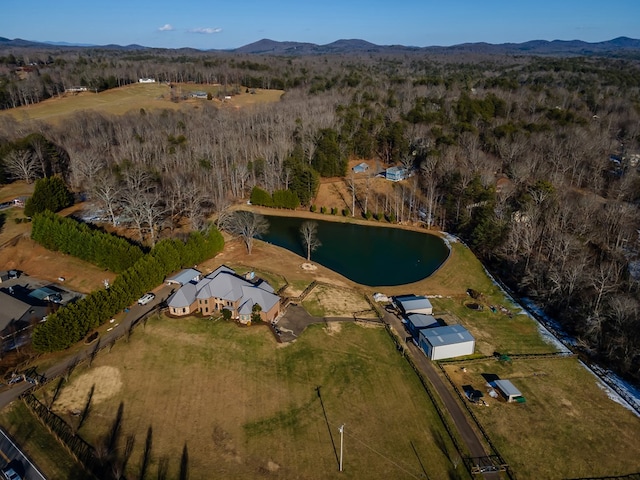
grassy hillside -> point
(129, 98)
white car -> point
(146, 298)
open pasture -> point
(130, 98)
(567, 428)
(244, 406)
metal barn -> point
(413, 304)
(418, 321)
(446, 342)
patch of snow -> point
(550, 331)
(449, 238)
(616, 389)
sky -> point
(210, 24)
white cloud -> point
(166, 28)
(206, 31)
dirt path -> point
(460, 420)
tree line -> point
(82, 241)
(530, 160)
(71, 323)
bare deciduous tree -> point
(246, 225)
(22, 164)
(309, 233)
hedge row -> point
(78, 239)
(279, 199)
(72, 323)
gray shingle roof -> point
(225, 284)
(184, 277)
(12, 309)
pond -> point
(373, 256)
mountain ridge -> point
(265, 46)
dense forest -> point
(533, 161)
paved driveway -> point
(296, 319)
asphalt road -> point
(12, 455)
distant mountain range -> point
(615, 47)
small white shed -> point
(508, 390)
(446, 342)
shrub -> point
(261, 197)
(313, 208)
(346, 212)
(285, 199)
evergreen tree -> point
(49, 194)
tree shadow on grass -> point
(146, 454)
(184, 463)
(326, 419)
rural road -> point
(460, 419)
(12, 455)
(135, 312)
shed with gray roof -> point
(413, 304)
(508, 390)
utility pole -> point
(341, 443)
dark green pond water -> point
(373, 256)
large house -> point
(223, 289)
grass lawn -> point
(36, 441)
(275, 280)
(245, 406)
(496, 332)
(567, 428)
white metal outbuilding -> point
(446, 342)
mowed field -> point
(117, 101)
(245, 406)
(568, 427)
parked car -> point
(9, 473)
(146, 298)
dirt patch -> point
(337, 302)
(105, 380)
(38, 262)
(308, 267)
(333, 328)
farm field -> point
(129, 98)
(244, 406)
(568, 427)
